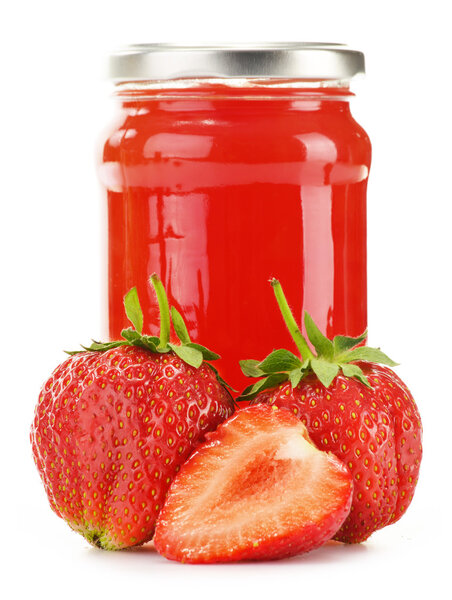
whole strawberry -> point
(352, 406)
(114, 423)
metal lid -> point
(296, 60)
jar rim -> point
(299, 60)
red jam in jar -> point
(228, 166)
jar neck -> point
(244, 89)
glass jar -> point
(228, 166)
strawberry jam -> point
(217, 187)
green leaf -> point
(323, 345)
(249, 391)
(206, 353)
(343, 343)
(179, 326)
(250, 368)
(151, 339)
(351, 370)
(149, 342)
(97, 347)
(356, 372)
(295, 377)
(369, 355)
(103, 346)
(220, 379)
(133, 309)
(325, 371)
(130, 335)
(268, 382)
(279, 360)
(189, 355)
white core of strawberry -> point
(295, 447)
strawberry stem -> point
(339, 354)
(162, 300)
(290, 322)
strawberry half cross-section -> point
(257, 489)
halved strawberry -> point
(258, 488)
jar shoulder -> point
(242, 136)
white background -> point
(54, 107)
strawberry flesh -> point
(256, 489)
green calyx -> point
(332, 356)
(191, 353)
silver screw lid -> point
(294, 60)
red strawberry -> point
(256, 489)
(359, 410)
(114, 424)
